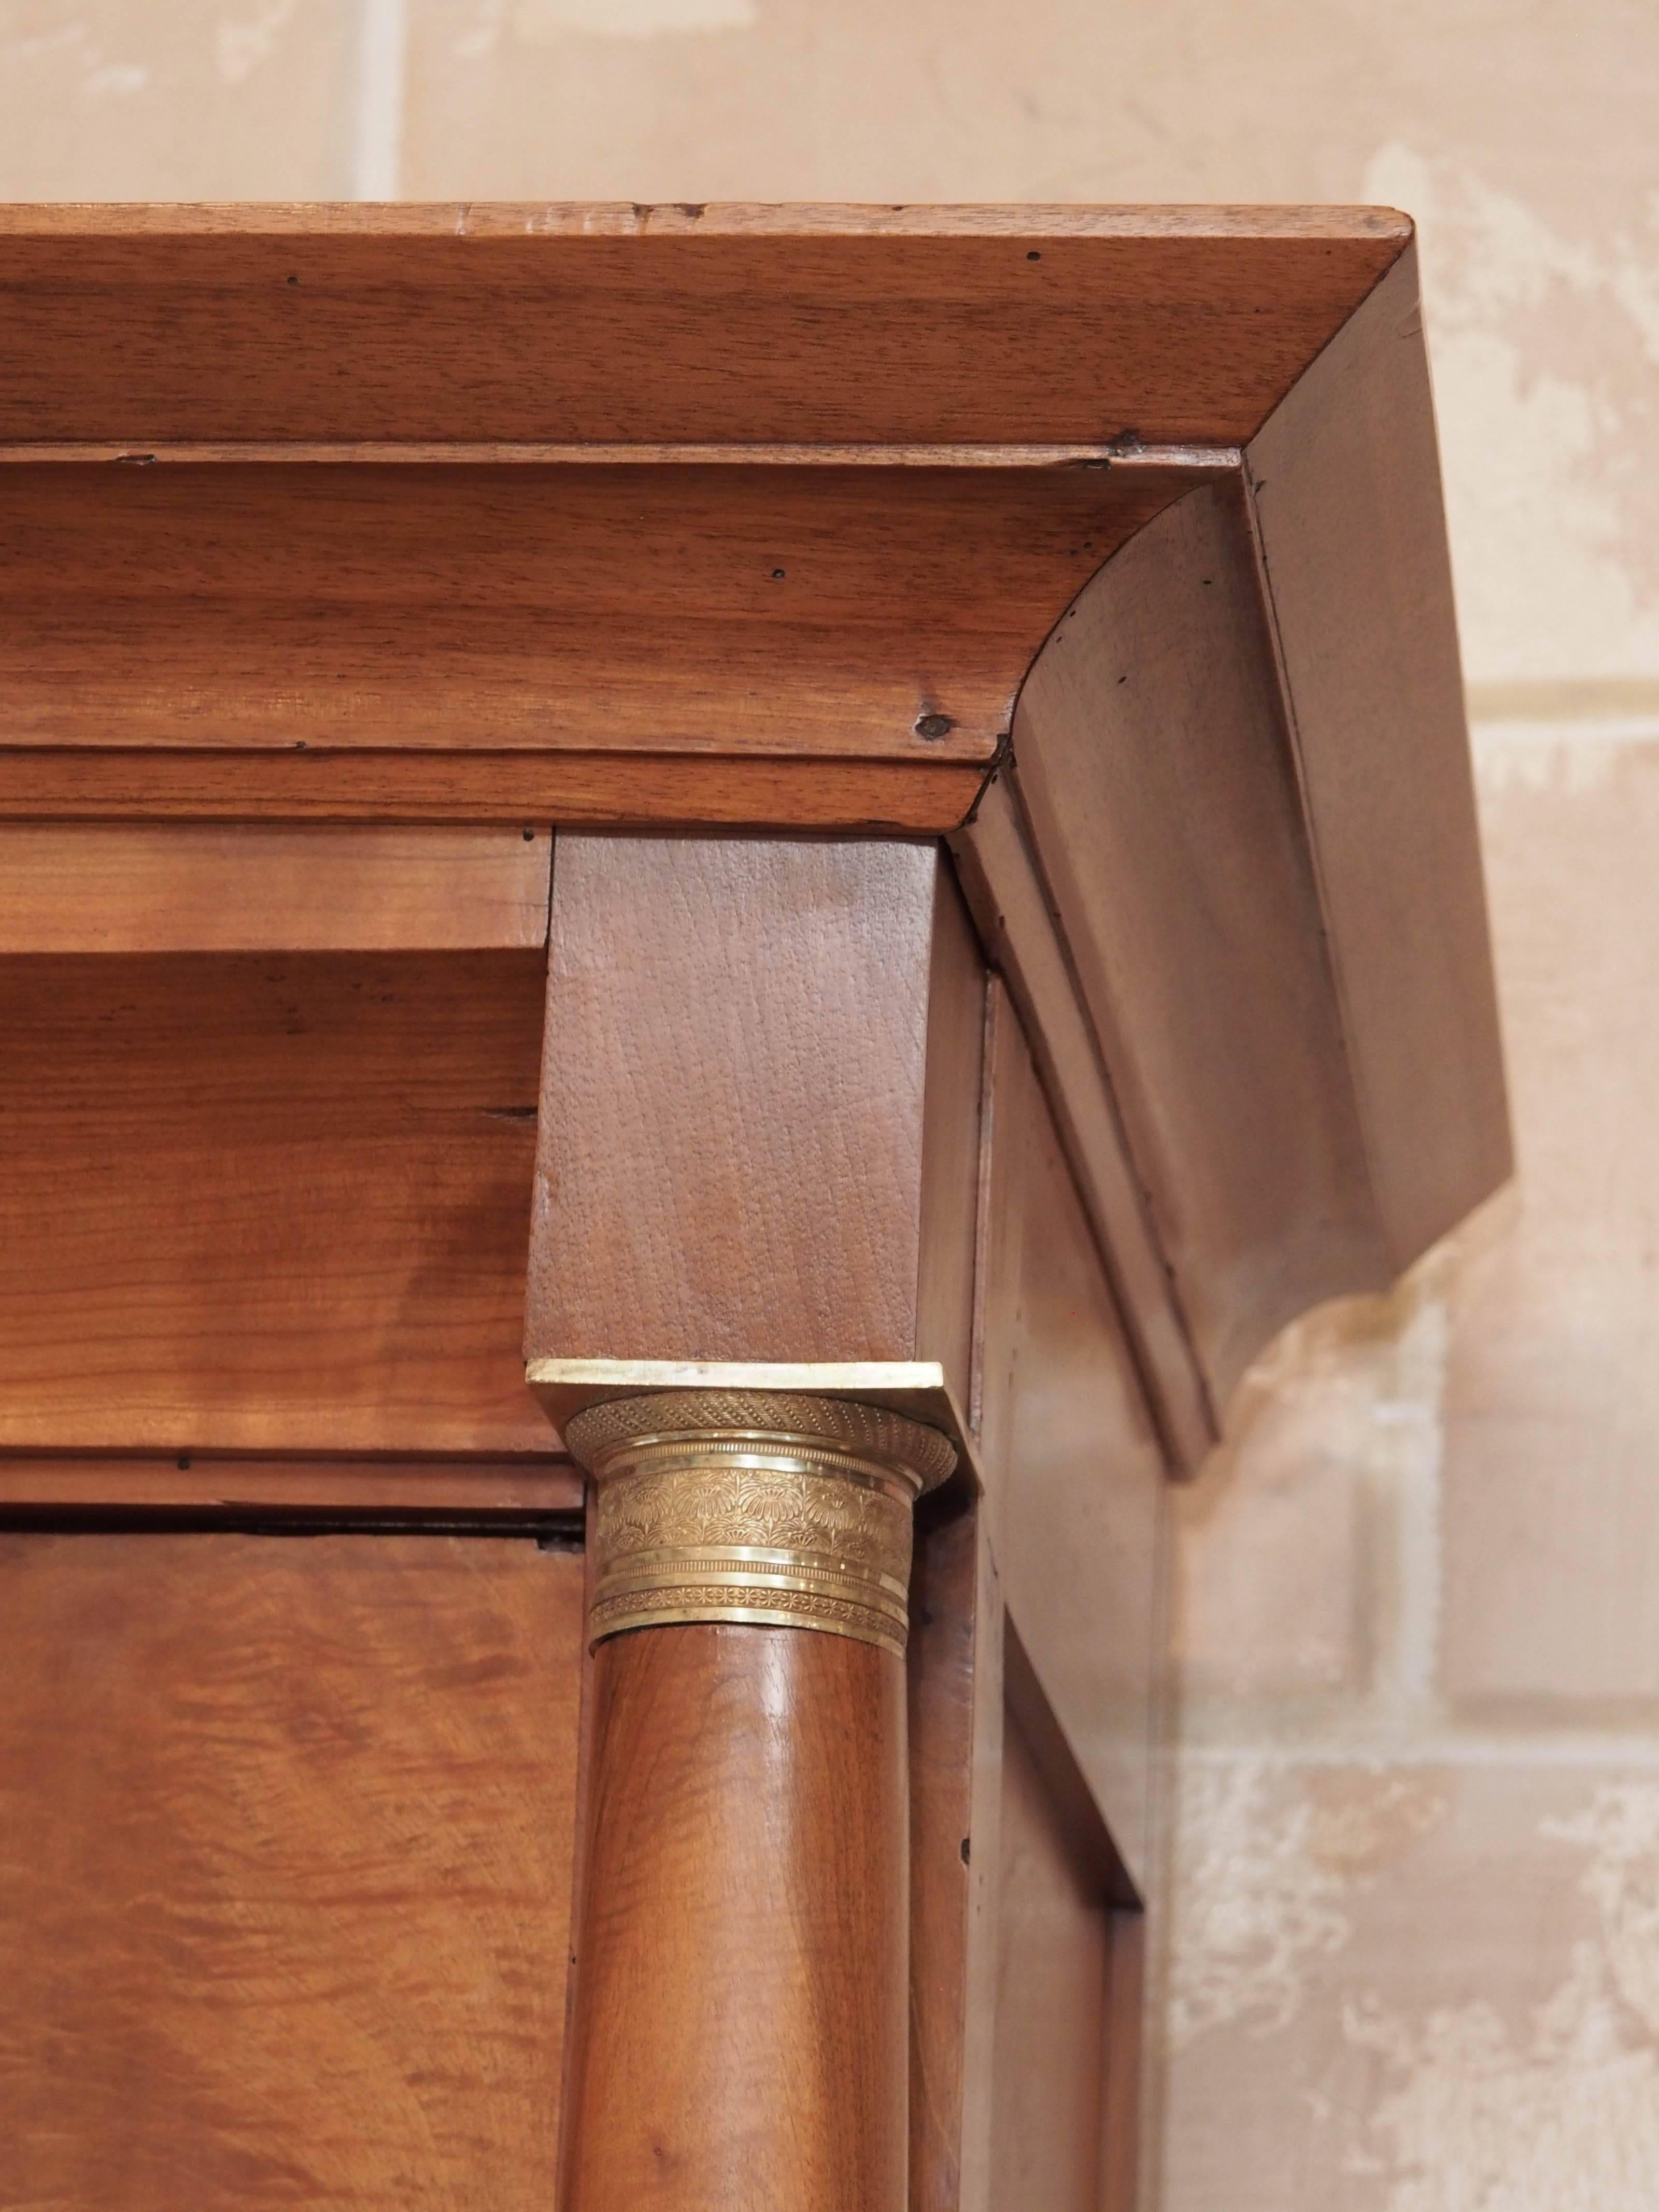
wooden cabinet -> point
(703, 915)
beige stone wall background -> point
(1416, 1962)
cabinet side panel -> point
(1052, 1963)
(1073, 1460)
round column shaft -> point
(739, 2026)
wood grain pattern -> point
(287, 1832)
(678, 608)
(738, 2032)
(732, 1101)
(575, 323)
(267, 1203)
(233, 1490)
(258, 887)
(956, 1717)
(1161, 793)
(1345, 483)
(579, 788)
(1076, 1504)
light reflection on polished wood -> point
(738, 2030)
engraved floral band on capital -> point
(768, 1507)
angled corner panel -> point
(1344, 482)
(999, 877)
(1153, 764)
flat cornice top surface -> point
(617, 323)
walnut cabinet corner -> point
(704, 915)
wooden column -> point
(739, 2029)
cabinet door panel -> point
(286, 1827)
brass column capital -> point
(770, 1507)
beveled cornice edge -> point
(915, 1389)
